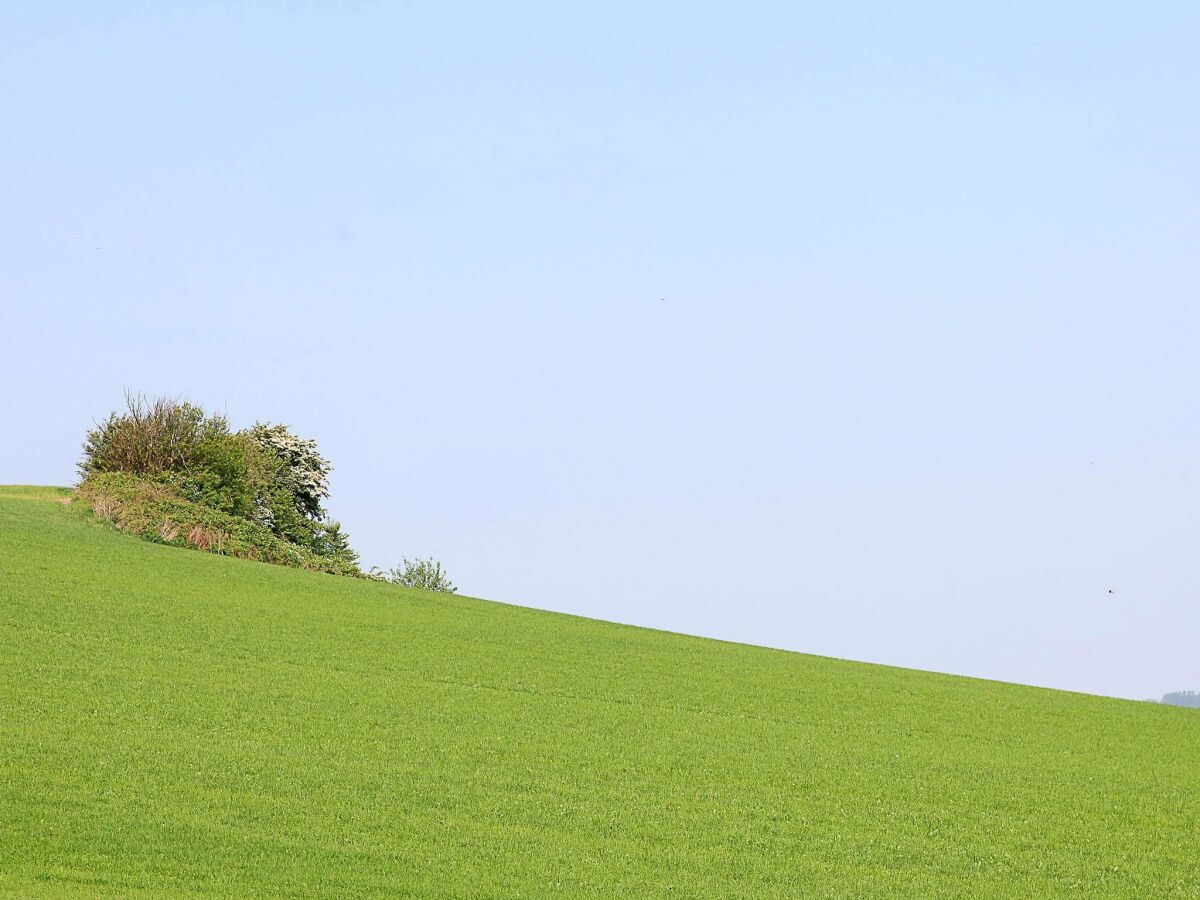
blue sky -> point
(866, 330)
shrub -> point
(150, 437)
(175, 442)
(300, 471)
(419, 573)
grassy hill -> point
(177, 722)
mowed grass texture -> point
(173, 722)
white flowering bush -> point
(303, 472)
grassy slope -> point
(174, 721)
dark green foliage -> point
(322, 536)
(229, 474)
(264, 477)
(426, 574)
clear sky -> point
(867, 330)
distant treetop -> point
(1183, 698)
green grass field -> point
(173, 722)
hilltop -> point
(181, 722)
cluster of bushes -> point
(168, 471)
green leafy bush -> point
(418, 573)
(175, 442)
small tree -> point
(419, 573)
(302, 471)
